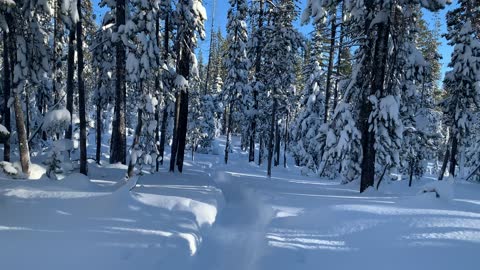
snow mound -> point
(62, 145)
(78, 181)
(4, 134)
(8, 168)
(442, 189)
(56, 121)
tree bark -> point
(271, 138)
(81, 94)
(444, 165)
(99, 130)
(378, 67)
(277, 145)
(119, 138)
(163, 128)
(285, 146)
(228, 135)
(174, 148)
(70, 84)
(453, 156)
(6, 94)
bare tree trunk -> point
(270, 140)
(6, 93)
(453, 155)
(81, 94)
(411, 174)
(285, 146)
(119, 137)
(174, 149)
(444, 165)
(277, 145)
(228, 135)
(182, 131)
(70, 84)
(261, 144)
(22, 135)
(99, 130)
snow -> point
(56, 121)
(216, 217)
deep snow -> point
(216, 216)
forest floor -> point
(231, 217)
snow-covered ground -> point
(231, 217)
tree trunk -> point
(22, 135)
(70, 85)
(453, 156)
(260, 150)
(444, 165)
(136, 141)
(163, 133)
(99, 130)
(271, 138)
(411, 174)
(277, 145)
(174, 149)
(6, 94)
(228, 135)
(285, 144)
(81, 94)
(378, 67)
(119, 138)
(330, 65)
(182, 131)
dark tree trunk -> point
(119, 137)
(183, 69)
(174, 149)
(81, 94)
(453, 156)
(99, 130)
(258, 67)
(277, 145)
(378, 66)
(444, 165)
(70, 84)
(286, 144)
(411, 174)
(261, 144)
(182, 130)
(271, 138)
(228, 135)
(6, 93)
(163, 133)
(330, 65)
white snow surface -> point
(231, 217)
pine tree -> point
(462, 82)
(236, 88)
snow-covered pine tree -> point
(462, 83)
(236, 88)
(142, 61)
(307, 126)
(190, 16)
(282, 42)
